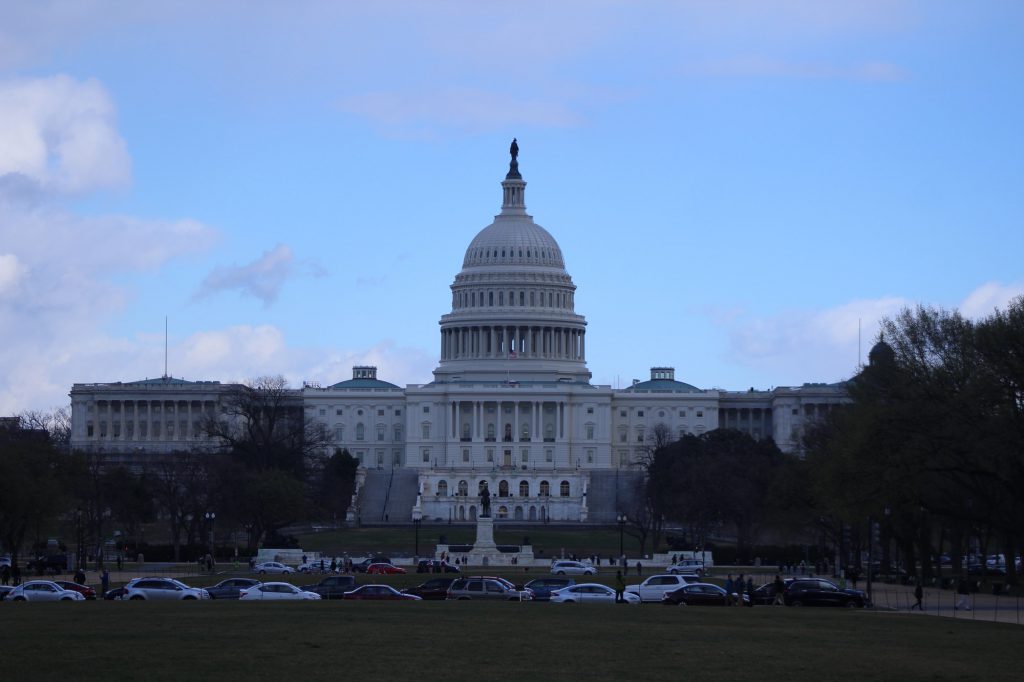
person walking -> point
(728, 589)
(738, 587)
(639, 568)
(964, 593)
(80, 577)
(918, 596)
(780, 588)
(620, 588)
(750, 592)
(104, 582)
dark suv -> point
(333, 587)
(436, 588)
(479, 587)
(821, 592)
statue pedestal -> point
(484, 536)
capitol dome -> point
(513, 303)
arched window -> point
(508, 433)
(480, 487)
(501, 298)
(524, 431)
(545, 489)
(472, 512)
(339, 433)
(503, 489)
(360, 431)
(462, 513)
(502, 512)
(549, 432)
(524, 489)
(563, 489)
(425, 430)
(533, 513)
(518, 514)
(465, 431)
(522, 298)
(490, 432)
(398, 434)
(442, 488)
(532, 299)
(463, 488)
(490, 298)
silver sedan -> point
(42, 590)
(275, 591)
(590, 593)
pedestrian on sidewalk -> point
(964, 593)
(918, 596)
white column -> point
(515, 421)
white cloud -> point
(261, 279)
(985, 299)
(62, 134)
(798, 346)
(11, 271)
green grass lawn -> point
(551, 541)
(491, 642)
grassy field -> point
(550, 541)
(491, 642)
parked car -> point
(688, 567)
(42, 590)
(655, 587)
(590, 593)
(5, 590)
(700, 594)
(487, 588)
(821, 592)
(436, 566)
(384, 569)
(116, 593)
(543, 587)
(272, 568)
(162, 589)
(572, 568)
(333, 587)
(230, 588)
(86, 591)
(436, 588)
(365, 563)
(765, 594)
(275, 592)
(52, 563)
(379, 593)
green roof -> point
(364, 383)
(664, 386)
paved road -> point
(942, 603)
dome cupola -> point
(513, 302)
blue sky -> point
(733, 184)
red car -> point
(379, 593)
(383, 569)
(85, 590)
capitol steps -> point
(388, 495)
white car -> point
(655, 587)
(688, 567)
(572, 568)
(272, 567)
(590, 593)
(162, 589)
(42, 590)
(275, 591)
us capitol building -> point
(511, 403)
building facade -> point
(511, 404)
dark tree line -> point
(268, 471)
(931, 447)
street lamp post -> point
(417, 518)
(621, 520)
(210, 518)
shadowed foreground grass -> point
(492, 642)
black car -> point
(432, 589)
(116, 593)
(821, 592)
(333, 587)
(699, 594)
(4, 589)
(765, 594)
(543, 587)
(362, 565)
(228, 589)
(52, 563)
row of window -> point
(661, 413)
(492, 254)
(462, 489)
(480, 299)
(146, 428)
(359, 413)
